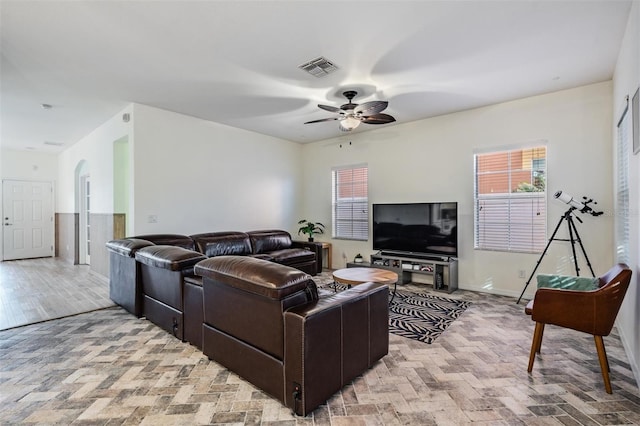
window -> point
(622, 190)
(510, 200)
(350, 202)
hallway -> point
(35, 290)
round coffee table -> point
(355, 276)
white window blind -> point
(350, 202)
(510, 200)
(622, 190)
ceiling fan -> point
(351, 115)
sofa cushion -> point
(169, 240)
(170, 257)
(222, 243)
(257, 276)
(292, 256)
(269, 240)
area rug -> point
(418, 316)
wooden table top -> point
(355, 276)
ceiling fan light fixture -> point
(349, 124)
(350, 115)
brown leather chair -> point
(592, 312)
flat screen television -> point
(416, 228)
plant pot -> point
(310, 239)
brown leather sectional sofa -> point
(274, 245)
(238, 297)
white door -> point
(85, 220)
(27, 225)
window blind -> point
(350, 202)
(510, 200)
(622, 190)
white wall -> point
(432, 160)
(198, 176)
(626, 81)
(97, 150)
(27, 165)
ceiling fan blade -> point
(322, 119)
(329, 108)
(370, 108)
(378, 119)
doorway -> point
(85, 220)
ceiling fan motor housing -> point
(350, 94)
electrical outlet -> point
(521, 273)
(152, 218)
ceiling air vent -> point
(319, 67)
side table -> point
(327, 247)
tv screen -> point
(422, 228)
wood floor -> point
(37, 290)
(108, 367)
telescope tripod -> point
(573, 238)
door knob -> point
(7, 224)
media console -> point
(443, 270)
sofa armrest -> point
(313, 246)
(124, 283)
(128, 246)
(330, 342)
(170, 257)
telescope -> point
(574, 237)
(581, 206)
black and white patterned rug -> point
(418, 316)
(421, 316)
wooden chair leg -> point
(540, 337)
(604, 363)
(535, 344)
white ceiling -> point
(236, 62)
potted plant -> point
(358, 258)
(310, 228)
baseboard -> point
(629, 352)
(499, 292)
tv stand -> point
(443, 269)
(425, 256)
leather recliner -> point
(267, 323)
(168, 284)
(124, 277)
